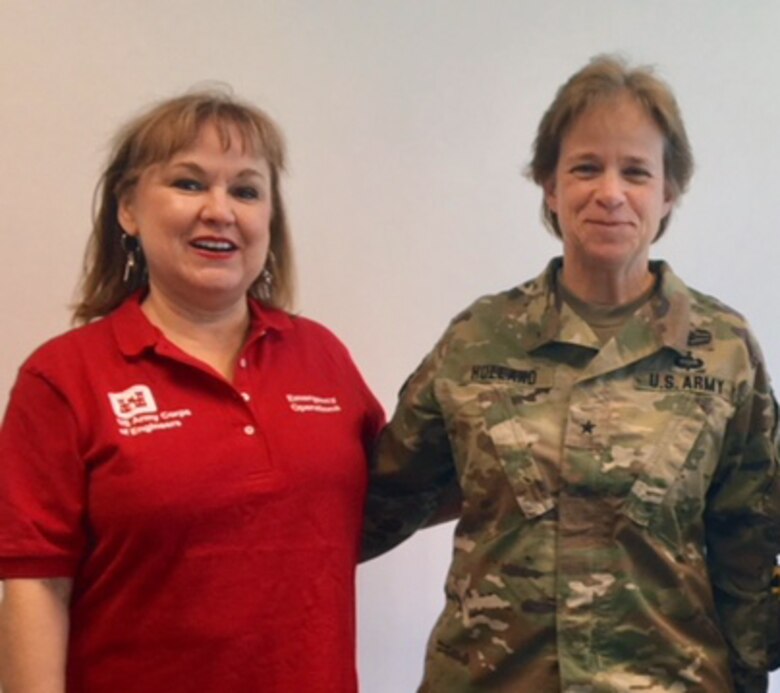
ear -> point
(550, 195)
(125, 215)
(670, 199)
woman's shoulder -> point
(724, 322)
(720, 328)
(296, 326)
(700, 303)
(710, 305)
(77, 351)
(312, 328)
(521, 308)
(304, 333)
(68, 344)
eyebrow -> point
(199, 170)
(645, 161)
(579, 156)
(589, 156)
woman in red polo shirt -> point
(182, 476)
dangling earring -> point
(132, 255)
(267, 277)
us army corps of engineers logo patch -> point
(137, 413)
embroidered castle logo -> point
(136, 400)
(137, 413)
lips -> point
(610, 223)
(214, 245)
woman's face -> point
(203, 221)
(608, 189)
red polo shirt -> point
(210, 528)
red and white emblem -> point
(133, 401)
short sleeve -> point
(42, 483)
(373, 415)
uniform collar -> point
(135, 334)
(664, 321)
(668, 312)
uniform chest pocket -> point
(503, 434)
(671, 486)
(663, 466)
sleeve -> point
(374, 420)
(741, 522)
(373, 413)
(412, 471)
(774, 621)
(42, 483)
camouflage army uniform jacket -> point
(612, 535)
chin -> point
(613, 255)
(221, 281)
(219, 292)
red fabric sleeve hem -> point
(36, 568)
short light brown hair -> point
(153, 137)
(604, 78)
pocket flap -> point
(493, 426)
(663, 467)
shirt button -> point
(242, 363)
(245, 396)
(249, 430)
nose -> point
(610, 193)
(218, 206)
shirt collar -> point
(668, 311)
(135, 334)
(664, 319)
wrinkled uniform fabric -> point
(615, 519)
(211, 528)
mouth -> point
(213, 245)
(608, 224)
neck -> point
(212, 336)
(606, 286)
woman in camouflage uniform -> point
(609, 430)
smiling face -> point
(608, 191)
(203, 221)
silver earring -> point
(132, 256)
(267, 277)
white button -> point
(249, 430)
(245, 396)
(242, 363)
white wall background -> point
(409, 124)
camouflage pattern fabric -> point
(774, 635)
(616, 523)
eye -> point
(637, 173)
(247, 192)
(585, 170)
(188, 184)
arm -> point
(774, 622)
(34, 635)
(448, 506)
(741, 519)
(42, 486)
(412, 476)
